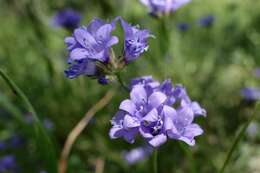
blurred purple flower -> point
(252, 129)
(67, 18)
(257, 72)
(8, 164)
(250, 93)
(48, 124)
(149, 112)
(135, 41)
(2, 145)
(28, 118)
(206, 21)
(183, 26)
(89, 44)
(163, 7)
(137, 154)
(16, 141)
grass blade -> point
(43, 141)
(237, 140)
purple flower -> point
(89, 44)
(136, 41)
(206, 21)
(257, 72)
(8, 164)
(2, 145)
(82, 67)
(48, 124)
(163, 7)
(250, 93)
(67, 18)
(103, 80)
(92, 42)
(145, 80)
(183, 26)
(149, 112)
(252, 129)
(16, 141)
(137, 154)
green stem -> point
(237, 140)
(119, 78)
(189, 154)
(155, 161)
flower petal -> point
(112, 41)
(188, 141)
(185, 115)
(156, 99)
(192, 130)
(138, 94)
(130, 122)
(104, 32)
(169, 114)
(70, 42)
(158, 140)
(118, 118)
(145, 133)
(85, 38)
(116, 132)
(197, 109)
(128, 106)
(78, 54)
(152, 116)
(127, 28)
(94, 25)
(130, 135)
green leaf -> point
(44, 144)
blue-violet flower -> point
(206, 21)
(87, 45)
(183, 26)
(8, 164)
(250, 93)
(163, 7)
(157, 113)
(137, 154)
(67, 18)
(136, 41)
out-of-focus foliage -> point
(214, 63)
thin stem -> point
(119, 78)
(155, 161)
(189, 154)
(237, 140)
(76, 131)
(100, 164)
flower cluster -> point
(67, 18)
(163, 7)
(157, 112)
(90, 48)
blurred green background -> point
(213, 62)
